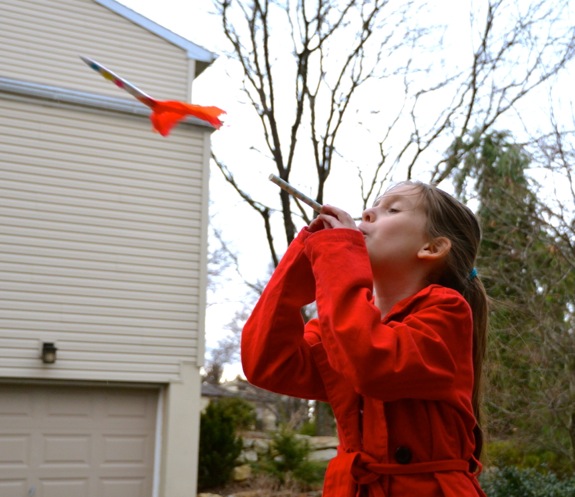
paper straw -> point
(120, 82)
(284, 185)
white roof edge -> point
(193, 51)
(58, 96)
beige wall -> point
(102, 243)
(42, 40)
(179, 476)
(103, 223)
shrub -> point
(241, 411)
(502, 453)
(288, 462)
(219, 446)
(511, 481)
(308, 428)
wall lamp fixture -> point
(49, 352)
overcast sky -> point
(194, 20)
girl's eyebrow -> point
(387, 198)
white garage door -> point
(76, 441)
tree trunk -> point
(324, 420)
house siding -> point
(41, 43)
(103, 225)
(102, 243)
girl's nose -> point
(367, 215)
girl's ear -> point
(436, 249)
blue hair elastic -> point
(473, 274)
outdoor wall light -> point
(49, 352)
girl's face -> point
(395, 230)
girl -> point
(397, 346)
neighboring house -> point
(267, 405)
(103, 229)
(212, 392)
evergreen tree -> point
(530, 390)
(219, 446)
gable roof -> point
(193, 51)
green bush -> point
(502, 453)
(308, 428)
(219, 446)
(288, 462)
(511, 481)
(240, 410)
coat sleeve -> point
(275, 343)
(424, 352)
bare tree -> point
(556, 152)
(362, 92)
(221, 260)
(315, 72)
(227, 350)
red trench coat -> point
(400, 387)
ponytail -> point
(475, 294)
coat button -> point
(403, 455)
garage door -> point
(76, 441)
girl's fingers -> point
(316, 225)
(337, 218)
(329, 221)
(332, 217)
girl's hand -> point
(332, 217)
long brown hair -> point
(450, 218)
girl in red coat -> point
(397, 346)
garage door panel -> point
(101, 446)
(14, 488)
(66, 450)
(122, 487)
(54, 487)
(126, 449)
(70, 405)
(15, 405)
(134, 406)
(15, 450)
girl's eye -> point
(392, 210)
